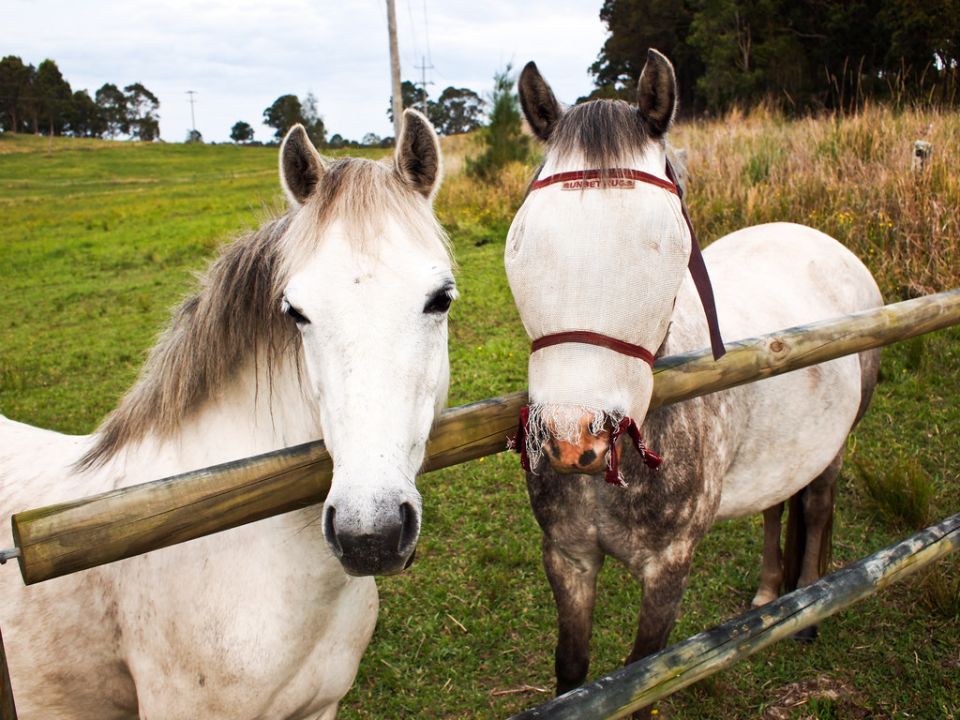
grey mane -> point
(234, 314)
(235, 317)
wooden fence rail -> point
(657, 676)
(61, 539)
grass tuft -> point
(941, 588)
(899, 491)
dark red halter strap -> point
(591, 338)
(573, 179)
(698, 270)
(650, 459)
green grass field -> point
(100, 239)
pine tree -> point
(503, 138)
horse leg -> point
(771, 569)
(663, 585)
(574, 583)
(809, 534)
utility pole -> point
(423, 67)
(193, 122)
(397, 100)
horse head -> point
(595, 258)
(368, 283)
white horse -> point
(597, 261)
(330, 320)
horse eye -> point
(439, 302)
(298, 317)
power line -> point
(426, 62)
(413, 33)
(426, 31)
(423, 67)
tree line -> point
(800, 55)
(456, 110)
(39, 100)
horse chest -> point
(565, 506)
(272, 632)
(586, 515)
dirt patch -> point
(820, 697)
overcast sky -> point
(240, 55)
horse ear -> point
(301, 166)
(658, 92)
(417, 157)
(539, 104)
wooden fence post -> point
(8, 710)
(922, 150)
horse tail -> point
(795, 543)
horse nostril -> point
(409, 528)
(587, 457)
(330, 531)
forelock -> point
(601, 132)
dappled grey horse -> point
(597, 260)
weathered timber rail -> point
(655, 677)
(61, 539)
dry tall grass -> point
(848, 176)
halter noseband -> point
(591, 338)
(624, 178)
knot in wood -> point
(777, 346)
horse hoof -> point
(807, 635)
(761, 599)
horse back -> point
(787, 429)
(777, 275)
(35, 469)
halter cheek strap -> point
(701, 279)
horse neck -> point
(708, 426)
(259, 410)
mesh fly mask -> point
(623, 178)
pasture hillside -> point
(100, 239)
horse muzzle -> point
(585, 455)
(580, 447)
(385, 547)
